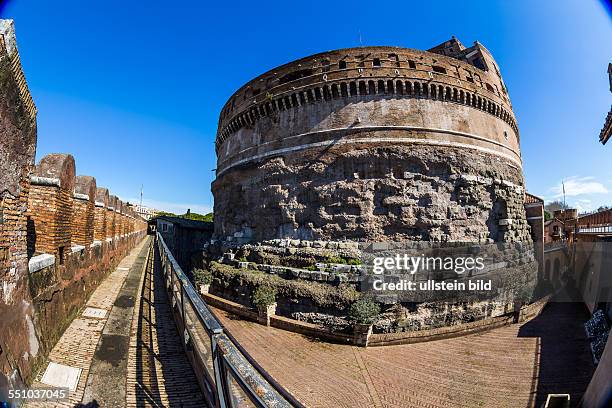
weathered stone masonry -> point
(49, 260)
(372, 143)
(17, 151)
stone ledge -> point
(95, 244)
(40, 262)
(45, 181)
(80, 196)
(77, 248)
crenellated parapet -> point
(111, 217)
(50, 206)
(49, 261)
(83, 214)
(102, 200)
(299, 96)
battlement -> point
(448, 72)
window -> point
(394, 57)
(376, 62)
(325, 64)
(342, 65)
(292, 76)
(469, 79)
(412, 64)
(61, 255)
(489, 87)
(438, 69)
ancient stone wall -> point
(373, 143)
(44, 278)
(17, 151)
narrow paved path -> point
(77, 346)
(159, 374)
(509, 367)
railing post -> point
(217, 364)
(183, 305)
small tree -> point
(264, 296)
(202, 276)
(364, 311)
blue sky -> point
(133, 89)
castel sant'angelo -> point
(372, 144)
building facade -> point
(372, 143)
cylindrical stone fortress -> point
(372, 143)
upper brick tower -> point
(372, 143)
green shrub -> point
(242, 259)
(354, 261)
(364, 311)
(264, 296)
(311, 268)
(202, 276)
(335, 260)
(321, 294)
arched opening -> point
(294, 100)
(371, 87)
(310, 94)
(326, 93)
(362, 88)
(353, 88)
(381, 86)
(318, 95)
(334, 91)
(390, 87)
(399, 87)
(343, 90)
(547, 270)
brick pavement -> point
(159, 374)
(513, 366)
(77, 345)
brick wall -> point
(83, 210)
(50, 206)
(43, 210)
(100, 214)
(17, 151)
(111, 217)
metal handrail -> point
(230, 360)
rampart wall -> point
(53, 253)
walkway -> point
(159, 374)
(513, 366)
(73, 354)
